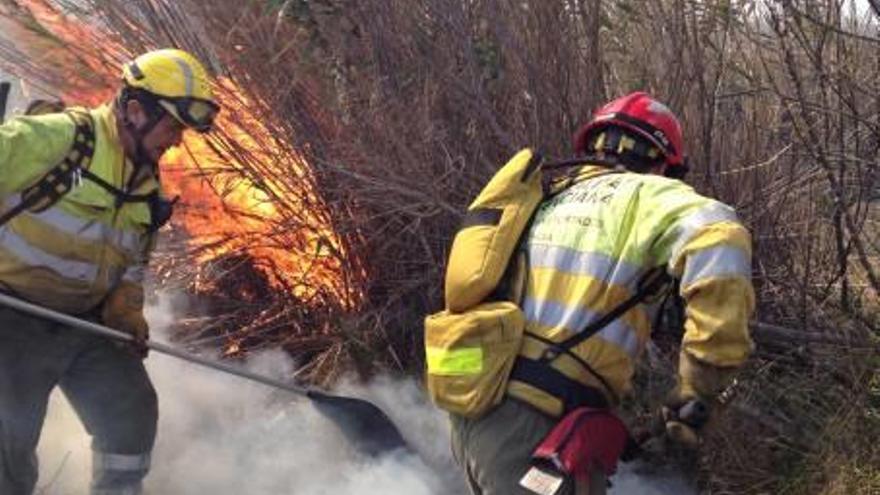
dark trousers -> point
(495, 451)
(107, 386)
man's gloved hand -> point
(684, 420)
(689, 409)
(124, 311)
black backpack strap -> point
(539, 373)
(160, 208)
(570, 392)
(120, 195)
(61, 178)
(13, 212)
(649, 285)
(73, 169)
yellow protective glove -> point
(698, 379)
(124, 311)
(685, 421)
(691, 406)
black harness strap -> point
(160, 209)
(541, 375)
(585, 365)
(649, 285)
(572, 393)
(60, 179)
(120, 195)
(5, 86)
(73, 169)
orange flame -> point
(79, 57)
(225, 212)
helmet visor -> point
(194, 113)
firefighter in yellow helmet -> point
(80, 205)
(589, 251)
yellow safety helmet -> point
(179, 83)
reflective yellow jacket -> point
(71, 255)
(590, 245)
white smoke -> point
(638, 478)
(220, 434)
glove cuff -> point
(698, 379)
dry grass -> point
(402, 109)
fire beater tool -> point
(369, 429)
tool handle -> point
(104, 331)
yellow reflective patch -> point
(453, 362)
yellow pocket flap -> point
(469, 355)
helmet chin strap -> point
(141, 157)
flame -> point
(82, 60)
(225, 212)
(232, 349)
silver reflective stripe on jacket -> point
(576, 319)
(687, 227)
(32, 256)
(716, 261)
(597, 265)
(89, 230)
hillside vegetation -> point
(403, 108)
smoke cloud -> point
(220, 434)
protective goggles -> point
(194, 113)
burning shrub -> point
(354, 134)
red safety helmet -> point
(639, 113)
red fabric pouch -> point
(585, 437)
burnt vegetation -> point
(381, 119)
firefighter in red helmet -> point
(588, 251)
(637, 115)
